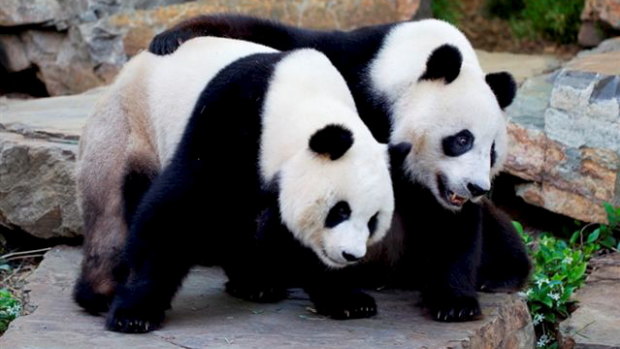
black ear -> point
(503, 86)
(444, 63)
(332, 140)
(398, 153)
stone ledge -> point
(204, 316)
(595, 324)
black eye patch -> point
(458, 144)
(372, 224)
(493, 155)
(339, 213)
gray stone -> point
(595, 324)
(14, 58)
(38, 145)
(565, 136)
(25, 12)
(203, 315)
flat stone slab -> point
(596, 323)
(521, 66)
(204, 316)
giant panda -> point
(420, 82)
(267, 171)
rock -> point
(595, 324)
(38, 145)
(14, 56)
(606, 11)
(96, 37)
(521, 66)
(589, 35)
(203, 315)
(565, 137)
(25, 12)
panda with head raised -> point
(419, 82)
(267, 171)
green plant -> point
(447, 10)
(10, 308)
(557, 20)
(560, 269)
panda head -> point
(448, 108)
(336, 195)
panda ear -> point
(444, 63)
(398, 153)
(331, 140)
(503, 86)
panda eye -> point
(339, 213)
(372, 224)
(493, 155)
(458, 144)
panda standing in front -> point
(418, 82)
(267, 171)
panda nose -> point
(476, 190)
(349, 257)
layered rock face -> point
(79, 44)
(565, 136)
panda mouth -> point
(334, 263)
(450, 197)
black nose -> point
(476, 190)
(349, 257)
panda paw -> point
(126, 321)
(355, 305)
(257, 294)
(168, 41)
(458, 309)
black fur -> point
(173, 228)
(445, 253)
(443, 64)
(332, 140)
(503, 86)
(458, 144)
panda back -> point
(176, 81)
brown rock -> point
(204, 316)
(595, 324)
(589, 35)
(607, 11)
(15, 58)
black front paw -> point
(355, 305)
(167, 42)
(253, 293)
(133, 321)
(455, 309)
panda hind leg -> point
(256, 293)
(340, 305)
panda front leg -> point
(333, 296)
(160, 250)
(449, 285)
(505, 265)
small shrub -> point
(447, 10)
(560, 269)
(10, 308)
(557, 20)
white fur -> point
(306, 94)
(424, 112)
(178, 79)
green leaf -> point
(574, 237)
(594, 235)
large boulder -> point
(38, 146)
(565, 136)
(204, 316)
(79, 44)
